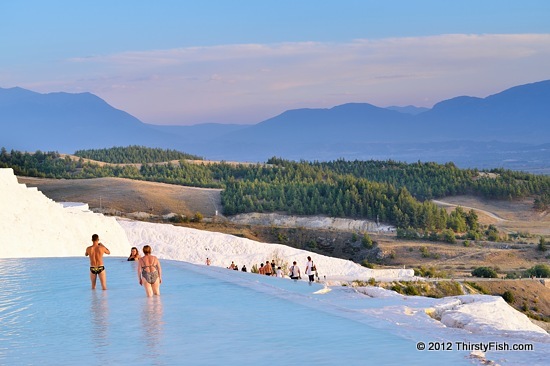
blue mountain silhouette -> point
(501, 127)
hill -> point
(125, 196)
(67, 122)
(518, 114)
(509, 129)
(506, 129)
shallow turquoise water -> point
(49, 315)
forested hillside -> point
(134, 154)
(386, 191)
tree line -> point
(383, 191)
(134, 155)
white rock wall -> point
(32, 225)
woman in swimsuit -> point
(134, 254)
(149, 272)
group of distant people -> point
(149, 270)
(310, 271)
(232, 266)
(272, 269)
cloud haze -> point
(247, 83)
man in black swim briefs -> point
(97, 270)
(95, 252)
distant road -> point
(483, 279)
(491, 214)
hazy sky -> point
(236, 61)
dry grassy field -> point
(127, 196)
(508, 216)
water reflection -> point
(13, 305)
(99, 309)
(152, 327)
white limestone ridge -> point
(194, 246)
(32, 225)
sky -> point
(244, 61)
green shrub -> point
(365, 263)
(540, 270)
(411, 290)
(311, 244)
(430, 272)
(397, 288)
(542, 245)
(177, 219)
(508, 296)
(450, 288)
(408, 233)
(484, 272)
(473, 235)
(197, 217)
(425, 253)
(433, 236)
(367, 241)
(449, 236)
(492, 233)
(481, 289)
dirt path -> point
(516, 216)
(490, 214)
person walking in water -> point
(310, 271)
(149, 272)
(295, 271)
(95, 252)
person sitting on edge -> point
(244, 268)
(95, 252)
(232, 265)
(134, 254)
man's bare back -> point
(95, 252)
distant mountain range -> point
(510, 129)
